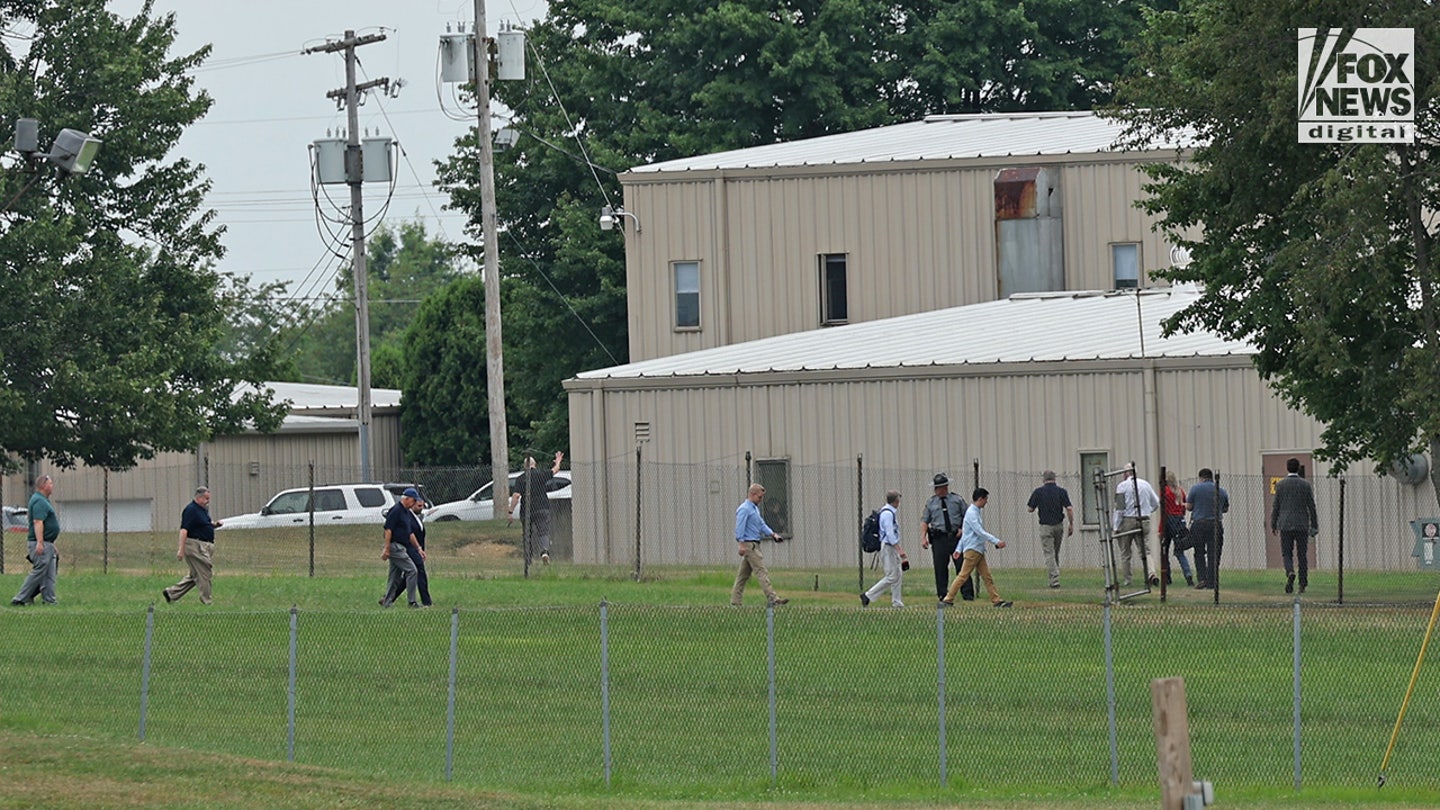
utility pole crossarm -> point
(340, 94)
(350, 41)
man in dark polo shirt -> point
(1053, 502)
(400, 533)
(197, 544)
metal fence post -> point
(1295, 666)
(290, 690)
(145, 669)
(860, 517)
(310, 499)
(1340, 546)
(1110, 699)
(605, 686)
(770, 657)
(450, 694)
(940, 678)
(639, 515)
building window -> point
(834, 304)
(1090, 463)
(774, 475)
(1125, 259)
(687, 294)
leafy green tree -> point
(405, 264)
(1320, 255)
(114, 316)
(443, 421)
(649, 80)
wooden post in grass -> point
(1172, 740)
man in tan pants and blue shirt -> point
(197, 545)
(750, 529)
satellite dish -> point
(1180, 256)
(1412, 470)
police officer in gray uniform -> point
(940, 526)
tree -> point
(1320, 255)
(405, 264)
(113, 312)
(618, 84)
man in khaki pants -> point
(750, 528)
(197, 544)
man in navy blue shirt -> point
(1206, 503)
(400, 533)
(422, 578)
(1054, 504)
(197, 545)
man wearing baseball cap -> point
(422, 579)
(399, 537)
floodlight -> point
(74, 151)
(27, 136)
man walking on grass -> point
(40, 545)
(1293, 516)
(973, 538)
(197, 545)
(891, 557)
(750, 529)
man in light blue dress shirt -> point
(973, 538)
(750, 529)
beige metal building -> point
(1062, 381)
(244, 470)
(952, 210)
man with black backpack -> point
(940, 526)
(891, 557)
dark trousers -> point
(422, 581)
(1291, 544)
(1209, 539)
(942, 548)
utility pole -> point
(494, 354)
(349, 96)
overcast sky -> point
(270, 104)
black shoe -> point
(414, 604)
(383, 603)
(944, 603)
(864, 600)
(166, 593)
(1190, 580)
(16, 603)
(1289, 583)
(966, 598)
(1302, 587)
(1005, 603)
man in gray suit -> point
(1293, 516)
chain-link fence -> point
(699, 701)
(639, 513)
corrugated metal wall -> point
(916, 240)
(1206, 413)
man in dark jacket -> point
(1293, 516)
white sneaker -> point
(545, 558)
(897, 604)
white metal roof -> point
(937, 137)
(1034, 327)
(311, 397)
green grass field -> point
(857, 704)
